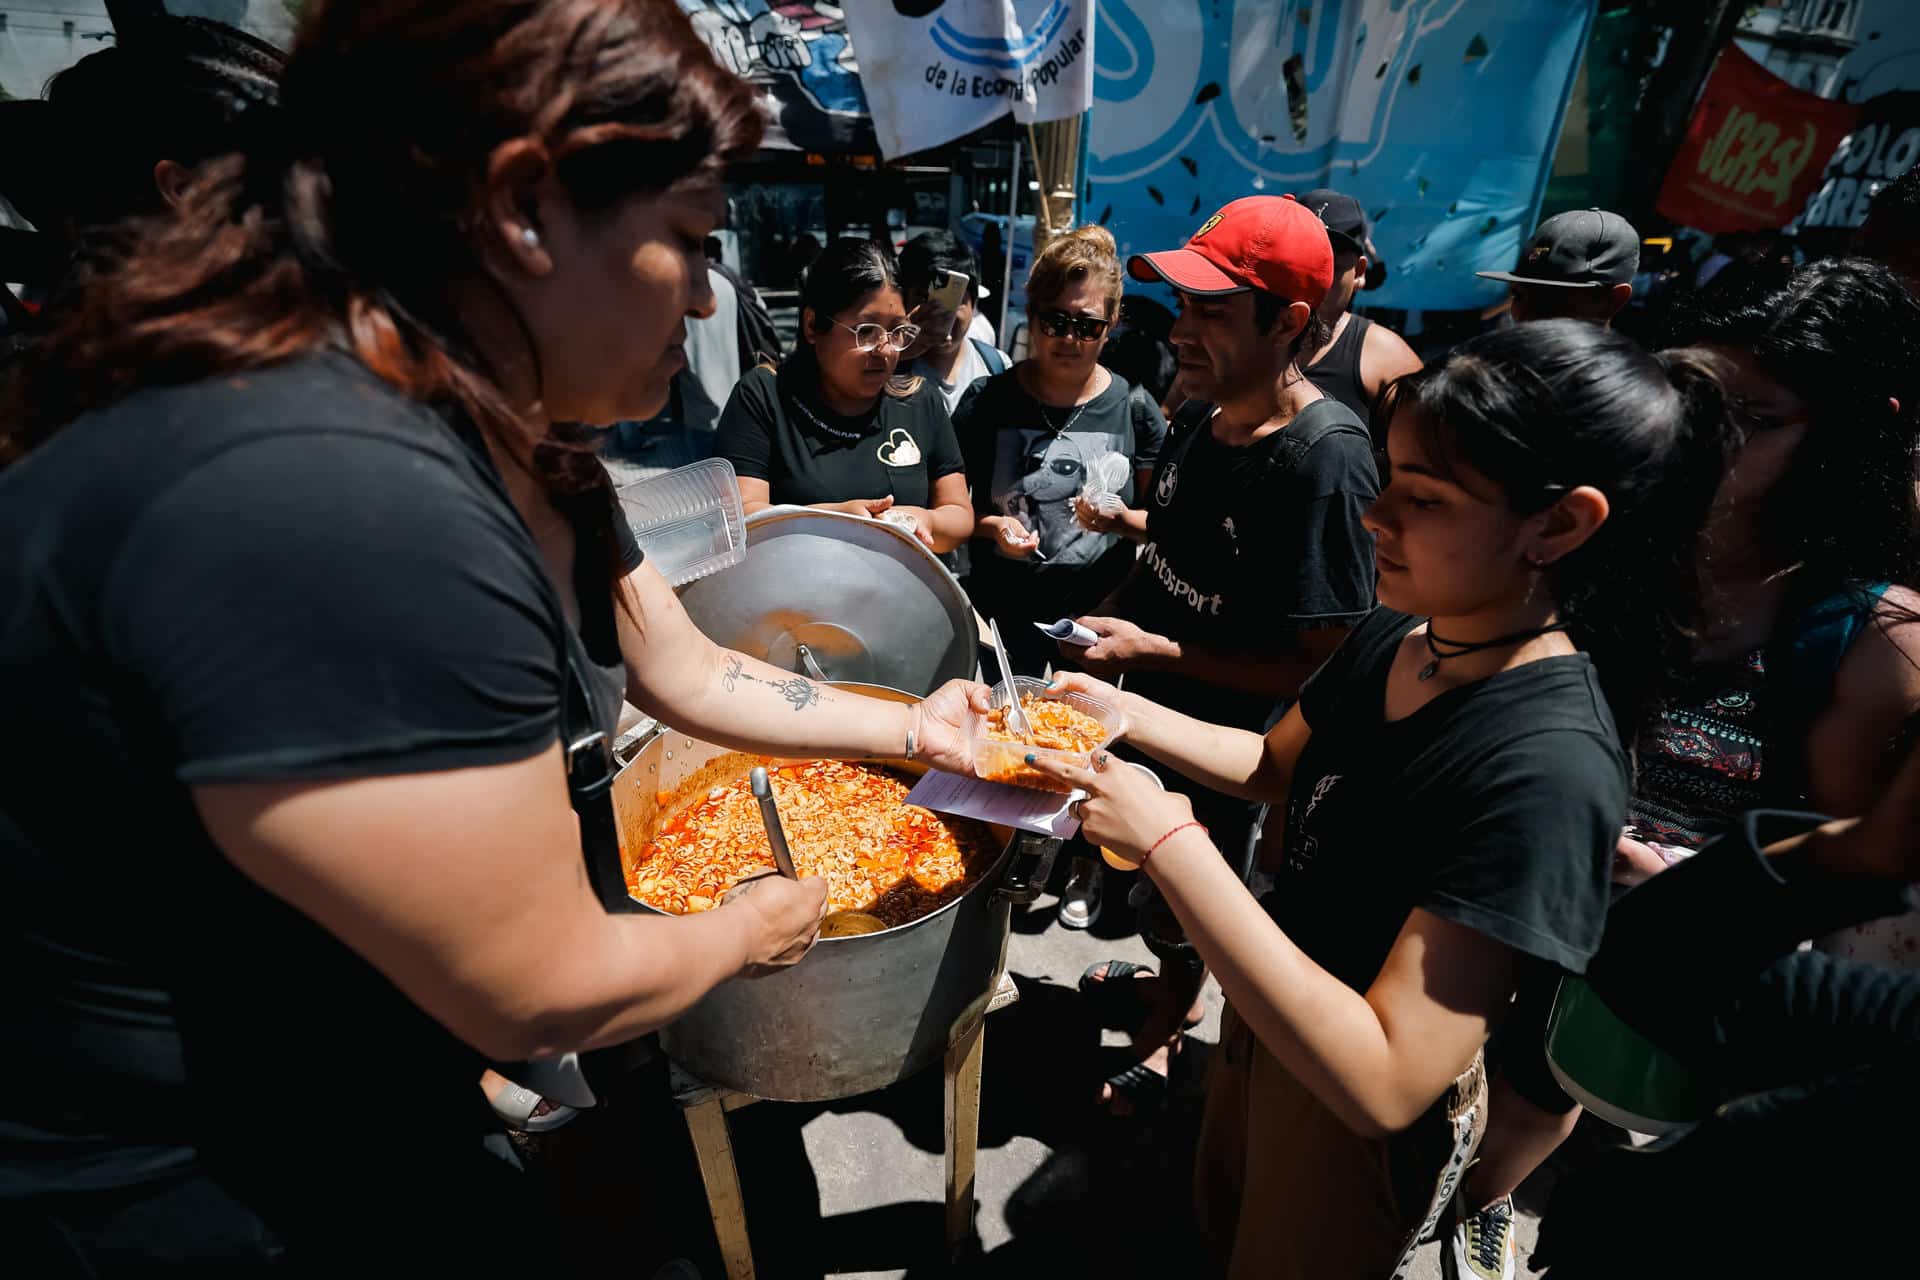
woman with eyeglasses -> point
(833, 427)
(1035, 437)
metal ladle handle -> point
(836, 924)
(808, 665)
(770, 816)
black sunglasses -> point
(1057, 324)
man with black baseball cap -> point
(1361, 357)
(1578, 266)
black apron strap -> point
(590, 773)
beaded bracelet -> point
(1170, 835)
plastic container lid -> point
(689, 521)
(999, 761)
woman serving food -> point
(302, 559)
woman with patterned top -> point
(1806, 655)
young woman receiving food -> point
(295, 556)
(1453, 786)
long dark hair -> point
(1545, 407)
(350, 213)
(1843, 335)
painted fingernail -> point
(1030, 757)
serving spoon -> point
(837, 924)
(1016, 714)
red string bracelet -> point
(1170, 835)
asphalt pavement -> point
(855, 1188)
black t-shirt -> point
(1249, 545)
(291, 574)
(1030, 461)
(1497, 806)
(776, 429)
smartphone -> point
(950, 294)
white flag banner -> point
(936, 70)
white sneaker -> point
(1080, 901)
(1482, 1245)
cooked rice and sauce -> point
(847, 822)
(1058, 728)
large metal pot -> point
(866, 601)
(857, 1013)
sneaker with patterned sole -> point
(1482, 1245)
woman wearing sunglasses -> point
(832, 427)
(1038, 435)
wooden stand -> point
(706, 1107)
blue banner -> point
(1440, 116)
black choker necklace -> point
(1459, 649)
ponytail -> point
(1553, 405)
(1633, 591)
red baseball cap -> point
(1273, 243)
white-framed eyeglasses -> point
(868, 337)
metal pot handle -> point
(1029, 867)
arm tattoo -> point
(799, 691)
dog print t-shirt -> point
(1029, 460)
(775, 428)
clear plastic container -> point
(1105, 474)
(689, 521)
(998, 761)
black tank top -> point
(1337, 372)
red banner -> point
(1754, 151)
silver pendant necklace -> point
(1064, 427)
(1072, 418)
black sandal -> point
(1143, 1088)
(1115, 1000)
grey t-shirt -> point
(1029, 460)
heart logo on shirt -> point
(898, 449)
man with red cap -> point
(1255, 564)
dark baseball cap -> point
(1347, 229)
(1581, 249)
